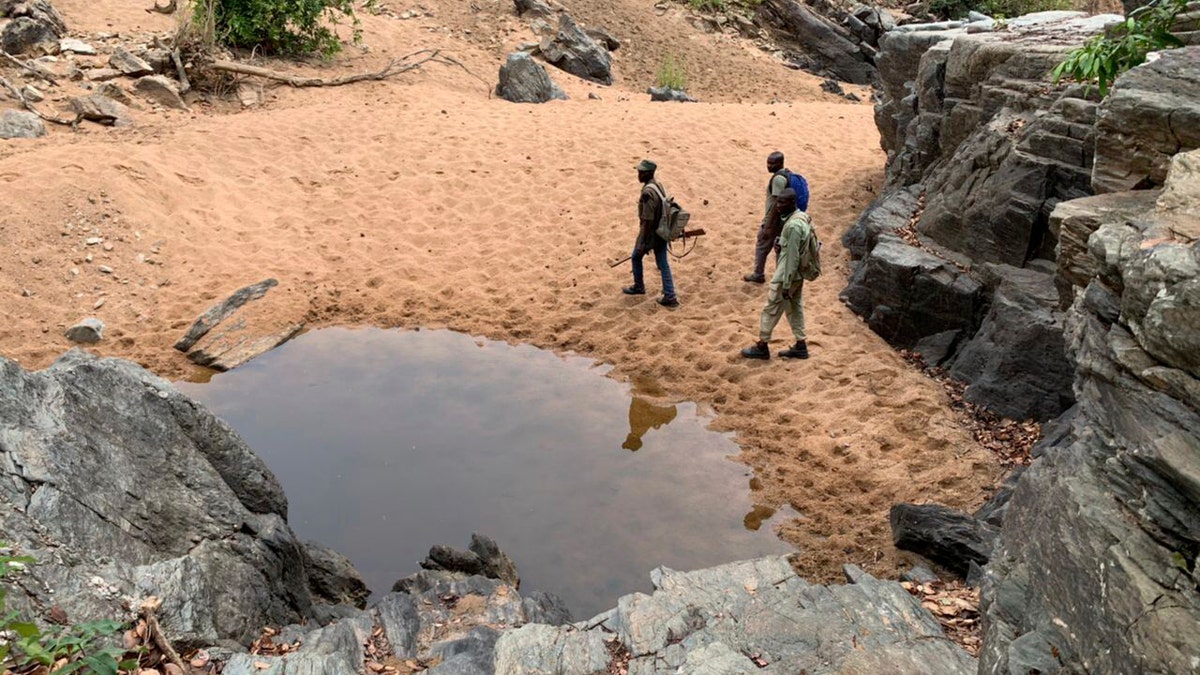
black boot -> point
(634, 290)
(758, 351)
(796, 351)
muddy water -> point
(388, 442)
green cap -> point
(646, 165)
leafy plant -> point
(76, 647)
(671, 74)
(290, 27)
(1104, 57)
(957, 9)
(708, 5)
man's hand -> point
(787, 294)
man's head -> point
(774, 161)
(646, 169)
(786, 201)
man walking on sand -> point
(784, 294)
(650, 212)
(772, 222)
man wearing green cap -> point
(650, 212)
(785, 293)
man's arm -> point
(648, 217)
(778, 184)
(787, 272)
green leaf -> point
(102, 664)
(25, 629)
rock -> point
(576, 52)
(76, 47)
(332, 578)
(610, 42)
(545, 649)
(919, 574)
(249, 95)
(161, 90)
(20, 124)
(221, 311)
(667, 94)
(1072, 222)
(484, 558)
(523, 80)
(1016, 365)
(947, 537)
(32, 94)
(122, 60)
(102, 74)
(1152, 113)
(905, 293)
(938, 348)
(102, 110)
(830, 45)
(24, 34)
(159, 60)
(89, 331)
(533, 8)
(885, 215)
(833, 87)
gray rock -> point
(161, 90)
(938, 348)
(332, 578)
(533, 8)
(905, 293)
(24, 34)
(21, 124)
(221, 311)
(102, 110)
(32, 93)
(467, 655)
(129, 64)
(76, 47)
(668, 94)
(537, 648)
(1016, 364)
(610, 42)
(576, 52)
(885, 215)
(523, 80)
(830, 45)
(547, 608)
(89, 331)
(483, 558)
(1152, 113)
(919, 574)
(947, 537)
(102, 74)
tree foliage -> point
(287, 27)
(1104, 57)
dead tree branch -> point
(30, 107)
(154, 631)
(184, 85)
(394, 67)
(24, 65)
(168, 8)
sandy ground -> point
(421, 202)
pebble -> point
(106, 269)
(99, 304)
(108, 247)
(26, 293)
(92, 241)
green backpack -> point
(674, 217)
(810, 252)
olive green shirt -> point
(797, 230)
(775, 187)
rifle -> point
(686, 234)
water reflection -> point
(388, 442)
(644, 416)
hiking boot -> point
(758, 351)
(796, 351)
(755, 278)
(668, 302)
(633, 290)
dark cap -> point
(646, 165)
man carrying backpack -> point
(797, 260)
(772, 222)
(650, 213)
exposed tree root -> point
(30, 107)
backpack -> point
(810, 252)
(674, 217)
(799, 186)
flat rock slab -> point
(232, 332)
(222, 310)
(20, 124)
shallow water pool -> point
(388, 442)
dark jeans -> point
(660, 259)
(767, 239)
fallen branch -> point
(184, 85)
(394, 67)
(37, 72)
(154, 631)
(168, 8)
(30, 107)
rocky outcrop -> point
(523, 80)
(832, 47)
(1096, 569)
(122, 488)
(34, 23)
(950, 538)
(668, 94)
(576, 52)
(482, 557)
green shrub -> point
(29, 647)
(1104, 57)
(671, 74)
(288, 27)
(1000, 9)
(708, 5)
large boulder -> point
(950, 538)
(576, 52)
(906, 293)
(34, 23)
(123, 488)
(1016, 364)
(832, 47)
(20, 124)
(1152, 113)
(523, 80)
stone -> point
(249, 95)
(574, 51)
(668, 94)
(214, 341)
(23, 35)
(114, 91)
(102, 74)
(332, 578)
(102, 110)
(221, 311)
(32, 94)
(1073, 222)
(1152, 113)
(89, 331)
(1179, 203)
(919, 574)
(533, 8)
(160, 90)
(610, 42)
(831, 46)
(76, 47)
(886, 214)
(947, 537)
(1016, 364)
(129, 64)
(483, 558)
(938, 348)
(523, 80)
(905, 293)
(20, 124)
(536, 648)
